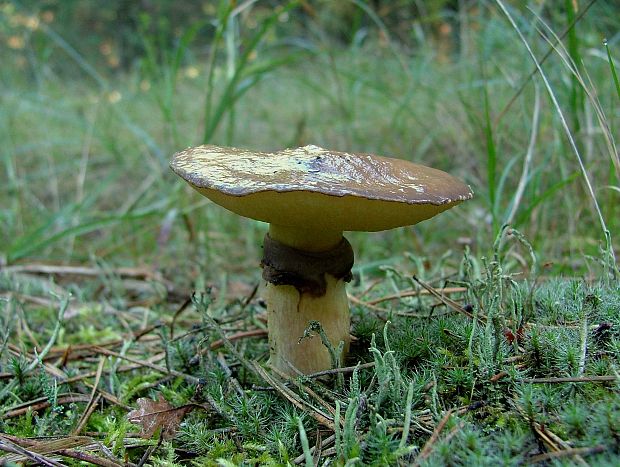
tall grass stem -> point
(564, 124)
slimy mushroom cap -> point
(311, 186)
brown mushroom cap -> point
(314, 188)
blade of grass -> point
(590, 91)
(75, 55)
(26, 248)
(233, 90)
(548, 193)
(384, 31)
(163, 66)
(224, 12)
(8, 388)
(407, 422)
(62, 216)
(566, 128)
(305, 444)
(612, 67)
(576, 91)
(516, 201)
(544, 58)
(507, 171)
(491, 158)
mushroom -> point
(310, 196)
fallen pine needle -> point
(565, 453)
(415, 293)
(570, 379)
(429, 446)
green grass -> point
(84, 181)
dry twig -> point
(547, 456)
(94, 399)
(430, 443)
(448, 301)
(570, 379)
(415, 293)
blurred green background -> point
(96, 96)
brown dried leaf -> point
(154, 415)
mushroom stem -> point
(289, 315)
(291, 308)
(306, 239)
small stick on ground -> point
(161, 369)
(374, 308)
(233, 337)
(565, 453)
(64, 447)
(294, 399)
(124, 368)
(48, 269)
(448, 301)
(371, 286)
(43, 403)
(9, 446)
(150, 450)
(316, 457)
(305, 389)
(560, 443)
(177, 313)
(326, 442)
(335, 371)
(550, 439)
(94, 399)
(221, 359)
(429, 446)
(414, 293)
(570, 379)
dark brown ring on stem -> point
(305, 270)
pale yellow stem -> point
(306, 239)
(290, 312)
